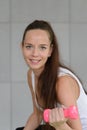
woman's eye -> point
(43, 47)
(28, 46)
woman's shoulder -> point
(66, 82)
(67, 88)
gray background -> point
(69, 20)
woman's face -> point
(37, 48)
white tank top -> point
(81, 102)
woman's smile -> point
(34, 61)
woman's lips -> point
(35, 61)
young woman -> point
(52, 85)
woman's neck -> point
(37, 72)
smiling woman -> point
(49, 81)
(36, 48)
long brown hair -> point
(47, 79)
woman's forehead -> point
(37, 34)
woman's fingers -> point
(56, 115)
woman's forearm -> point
(32, 123)
(65, 126)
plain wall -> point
(69, 20)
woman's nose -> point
(35, 52)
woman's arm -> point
(67, 91)
(36, 117)
(33, 121)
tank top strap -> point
(33, 81)
(33, 85)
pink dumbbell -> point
(71, 112)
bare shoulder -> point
(67, 90)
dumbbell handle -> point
(71, 112)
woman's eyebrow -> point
(28, 43)
(44, 44)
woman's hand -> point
(56, 117)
